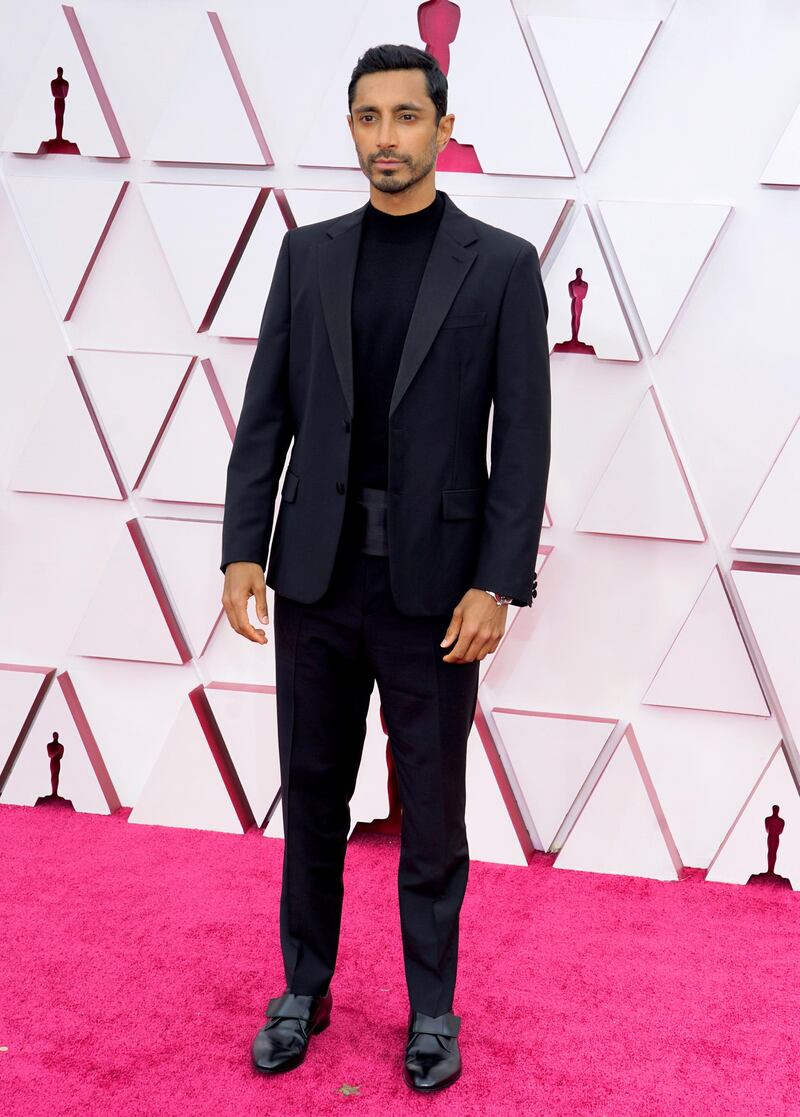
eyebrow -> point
(374, 108)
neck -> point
(397, 205)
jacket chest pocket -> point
(462, 504)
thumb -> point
(261, 603)
(453, 630)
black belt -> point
(369, 519)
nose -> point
(386, 142)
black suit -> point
(478, 332)
(351, 610)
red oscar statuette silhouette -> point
(55, 750)
(578, 289)
(773, 824)
(438, 22)
(59, 87)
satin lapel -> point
(448, 263)
(336, 266)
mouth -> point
(388, 162)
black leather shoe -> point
(433, 1059)
(292, 1019)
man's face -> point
(393, 118)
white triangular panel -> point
(525, 142)
(642, 491)
(205, 119)
(149, 696)
(602, 323)
(185, 787)
(707, 666)
(535, 219)
(123, 619)
(772, 522)
(231, 368)
(63, 453)
(30, 776)
(308, 206)
(661, 247)
(18, 690)
(34, 119)
(187, 553)
(601, 55)
(744, 852)
(247, 720)
(551, 757)
(242, 307)
(117, 309)
(191, 461)
(772, 603)
(617, 830)
(703, 767)
(131, 394)
(783, 168)
(64, 219)
(490, 832)
(198, 227)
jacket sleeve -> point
(263, 433)
(520, 444)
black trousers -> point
(329, 654)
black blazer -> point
(477, 334)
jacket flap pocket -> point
(476, 319)
(290, 483)
(462, 504)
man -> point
(387, 335)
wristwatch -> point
(500, 599)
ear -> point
(446, 125)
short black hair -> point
(401, 56)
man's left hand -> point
(479, 623)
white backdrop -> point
(643, 715)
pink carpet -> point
(139, 960)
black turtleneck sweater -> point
(393, 251)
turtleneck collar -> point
(404, 223)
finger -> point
(242, 625)
(261, 602)
(477, 647)
(465, 640)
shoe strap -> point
(447, 1024)
(292, 1006)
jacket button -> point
(340, 486)
(346, 424)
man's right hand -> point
(244, 580)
